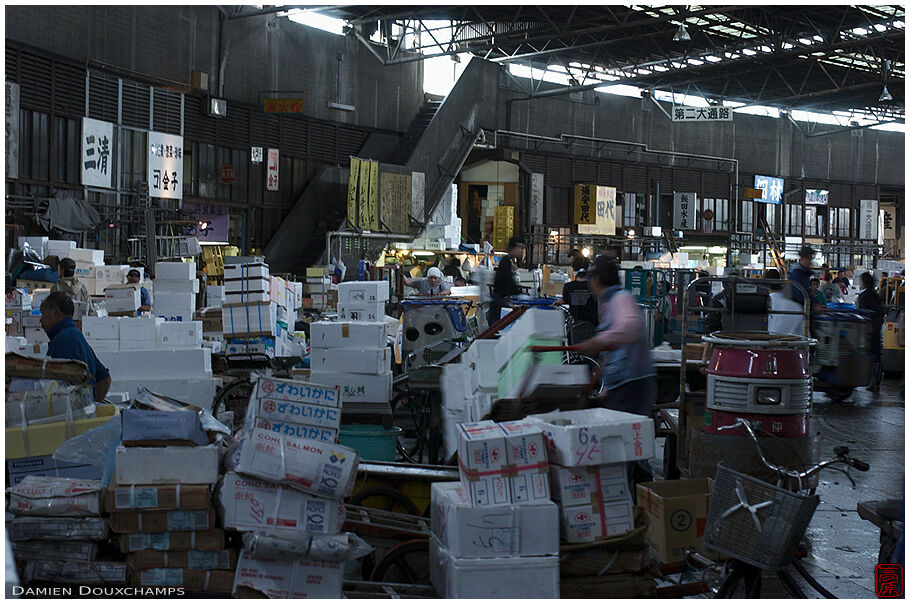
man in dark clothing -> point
(505, 284)
(67, 342)
(453, 269)
(577, 294)
(802, 274)
(868, 300)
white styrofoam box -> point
(588, 522)
(255, 284)
(325, 334)
(198, 391)
(95, 257)
(526, 452)
(290, 578)
(482, 459)
(175, 314)
(101, 328)
(504, 349)
(592, 437)
(492, 531)
(175, 271)
(356, 388)
(184, 364)
(456, 402)
(171, 300)
(167, 465)
(104, 345)
(539, 323)
(140, 329)
(246, 297)
(60, 247)
(482, 359)
(250, 319)
(583, 483)
(370, 361)
(508, 577)
(214, 291)
(176, 286)
(266, 345)
(121, 299)
(16, 344)
(363, 292)
(246, 271)
(481, 404)
(548, 381)
(184, 334)
(369, 312)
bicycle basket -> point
(756, 522)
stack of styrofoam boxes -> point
(56, 530)
(589, 452)
(480, 358)
(176, 287)
(354, 357)
(214, 295)
(443, 230)
(60, 247)
(153, 474)
(362, 301)
(284, 295)
(87, 260)
(293, 425)
(536, 327)
(496, 535)
(249, 317)
(101, 277)
(318, 285)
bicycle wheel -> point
(234, 397)
(410, 408)
(406, 563)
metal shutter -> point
(610, 174)
(717, 185)
(69, 90)
(232, 130)
(686, 180)
(259, 128)
(322, 142)
(293, 136)
(559, 169)
(167, 116)
(350, 141)
(135, 103)
(12, 64)
(35, 82)
(196, 126)
(534, 163)
(635, 178)
(102, 98)
(585, 171)
(664, 176)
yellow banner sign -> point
(282, 105)
(353, 177)
(585, 196)
(373, 199)
(750, 193)
(604, 213)
(363, 192)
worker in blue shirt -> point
(67, 342)
(145, 300)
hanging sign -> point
(684, 208)
(868, 219)
(97, 153)
(272, 171)
(165, 165)
(707, 220)
(585, 198)
(418, 185)
(12, 130)
(353, 180)
(282, 105)
(256, 155)
(536, 199)
(211, 221)
(604, 213)
(889, 228)
(702, 114)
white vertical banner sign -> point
(97, 153)
(165, 165)
(418, 184)
(256, 155)
(889, 232)
(684, 207)
(868, 219)
(271, 171)
(12, 130)
(536, 199)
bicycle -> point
(759, 525)
(235, 395)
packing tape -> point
(600, 505)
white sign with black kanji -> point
(685, 205)
(97, 153)
(165, 165)
(702, 114)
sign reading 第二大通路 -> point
(702, 114)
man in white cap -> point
(432, 285)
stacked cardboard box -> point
(319, 291)
(58, 522)
(497, 533)
(352, 356)
(176, 287)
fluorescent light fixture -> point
(423, 253)
(217, 107)
(682, 35)
(554, 233)
(214, 243)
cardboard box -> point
(326, 435)
(324, 469)
(585, 484)
(289, 578)
(144, 427)
(167, 465)
(118, 498)
(482, 460)
(178, 541)
(25, 528)
(366, 361)
(363, 292)
(365, 312)
(356, 388)
(186, 364)
(75, 573)
(43, 439)
(677, 511)
(191, 580)
(175, 271)
(162, 522)
(250, 504)
(317, 271)
(325, 334)
(176, 286)
(101, 328)
(593, 437)
(255, 270)
(79, 551)
(507, 577)
(247, 320)
(47, 496)
(277, 410)
(591, 521)
(492, 531)
(297, 391)
(185, 334)
(526, 452)
(224, 559)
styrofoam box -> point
(588, 522)
(325, 334)
(580, 484)
(121, 299)
(592, 437)
(250, 318)
(492, 531)
(246, 271)
(199, 392)
(166, 465)
(338, 360)
(508, 577)
(185, 334)
(482, 460)
(481, 356)
(176, 286)
(456, 401)
(140, 329)
(60, 247)
(367, 312)
(481, 404)
(79, 254)
(356, 388)
(245, 297)
(526, 453)
(175, 315)
(175, 271)
(172, 300)
(363, 292)
(214, 291)
(157, 364)
(255, 284)
(290, 578)
(101, 328)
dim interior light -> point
(554, 233)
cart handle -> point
(553, 349)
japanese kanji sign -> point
(165, 165)
(282, 105)
(272, 171)
(604, 213)
(256, 155)
(212, 221)
(684, 207)
(889, 228)
(585, 198)
(868, 219)
(702, 114)
(12, 130)
(418, 186)
(97, 153)
(536, 199)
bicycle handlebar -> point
(553, 349)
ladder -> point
(773, 246)
(670, 241)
